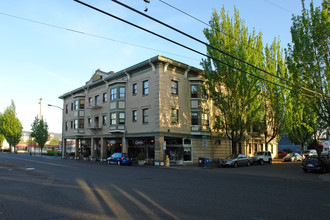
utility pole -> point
(40, 108)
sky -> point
(50, 47)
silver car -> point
(236, 160)
(293, 157)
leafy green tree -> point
(39, 132)
(309, 52)
(54, 142)
(10, 126)
(235, 93)
(2, 138)
(274, 106)
(308, 64)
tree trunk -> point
(233, 147)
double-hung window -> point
(145, 115)
(134, 89)
(121, 118)
(174, 116)
(134, 115)
(105, 97)
(145, 88)
(194, 118)
(97, 100)
(104, 120)
(113, 118)
(174, 87)
(113, 94)
(194, 91)
(121, 92)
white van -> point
(309, 153)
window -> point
(121, 118)
(121, 92)
(113, 94)
(90, 101)
(174, 116)
(194, 118)
(187, 141)
(76, 104)
(97, 100)
(105, 97)
(81, 123)
(76, 124)
(134, 115)
(145, 88)
(187, 154)
(194, 91)
(205, 119)
(66, 109)
(71, 106)
(89, 121)
(96, 122)
(66, 126)
(81, 104)
(104, 120)
(134, 89)
(71, 124)
(113, 120)
(145, 113)
(174, 87)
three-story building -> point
(155, 107)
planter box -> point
(179, 162)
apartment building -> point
(155, 107)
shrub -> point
(141, 156)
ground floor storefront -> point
(156, 148)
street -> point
(34, 187)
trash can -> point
(201, 162)
(207, 162)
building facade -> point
(155, 107)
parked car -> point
(309, 153)
(293, 157)
(281, 154)
(320, 164)
(120, 158)
(262, 156)
(236, 160)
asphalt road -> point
(53, 188)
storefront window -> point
(187, 154)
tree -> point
(274, 94)
(309, 55)
(308, 64)
(10, 126)
(2, 138)
(235, 93)
(39, 132)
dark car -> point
(320, 164)
(120, 158)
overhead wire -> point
(179, 44)
(237, 40)
(89, 34)
(210, 46)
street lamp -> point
(55, 106)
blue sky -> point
(39, 60)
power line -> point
(91, 35)
(237, 40)
(269, 2)
(210, 46)
(179, 44)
